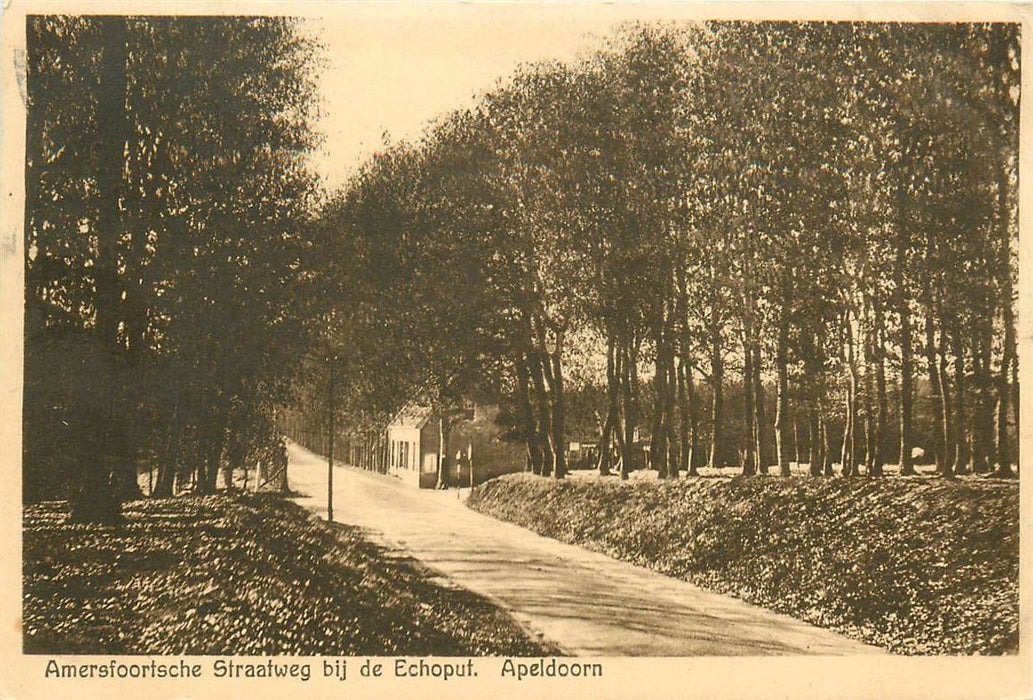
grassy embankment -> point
(239, 575)
(917, 566)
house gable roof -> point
(412, 416)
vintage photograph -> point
(412, 336)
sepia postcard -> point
(514, 349)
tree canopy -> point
(764, 210)
(167, 211)
(742, 244)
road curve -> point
(585, 603)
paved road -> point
(586, 603)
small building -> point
(413, 440)
(583, 453)
(475, 444)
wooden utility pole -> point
(330, 447)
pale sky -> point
(395, 66)
(395, 70)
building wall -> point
(429, 443)
(413, 451)
(479, 441)
(403, 452)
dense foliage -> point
(708, 244)
(167, 199)
(917, 566)
(211, 575)
(748, 243)
(766, 242)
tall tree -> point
(188, 211)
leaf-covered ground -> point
(240, 575)
(916, 566)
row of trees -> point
(702, 226)
(167, 210)
(822, 214)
